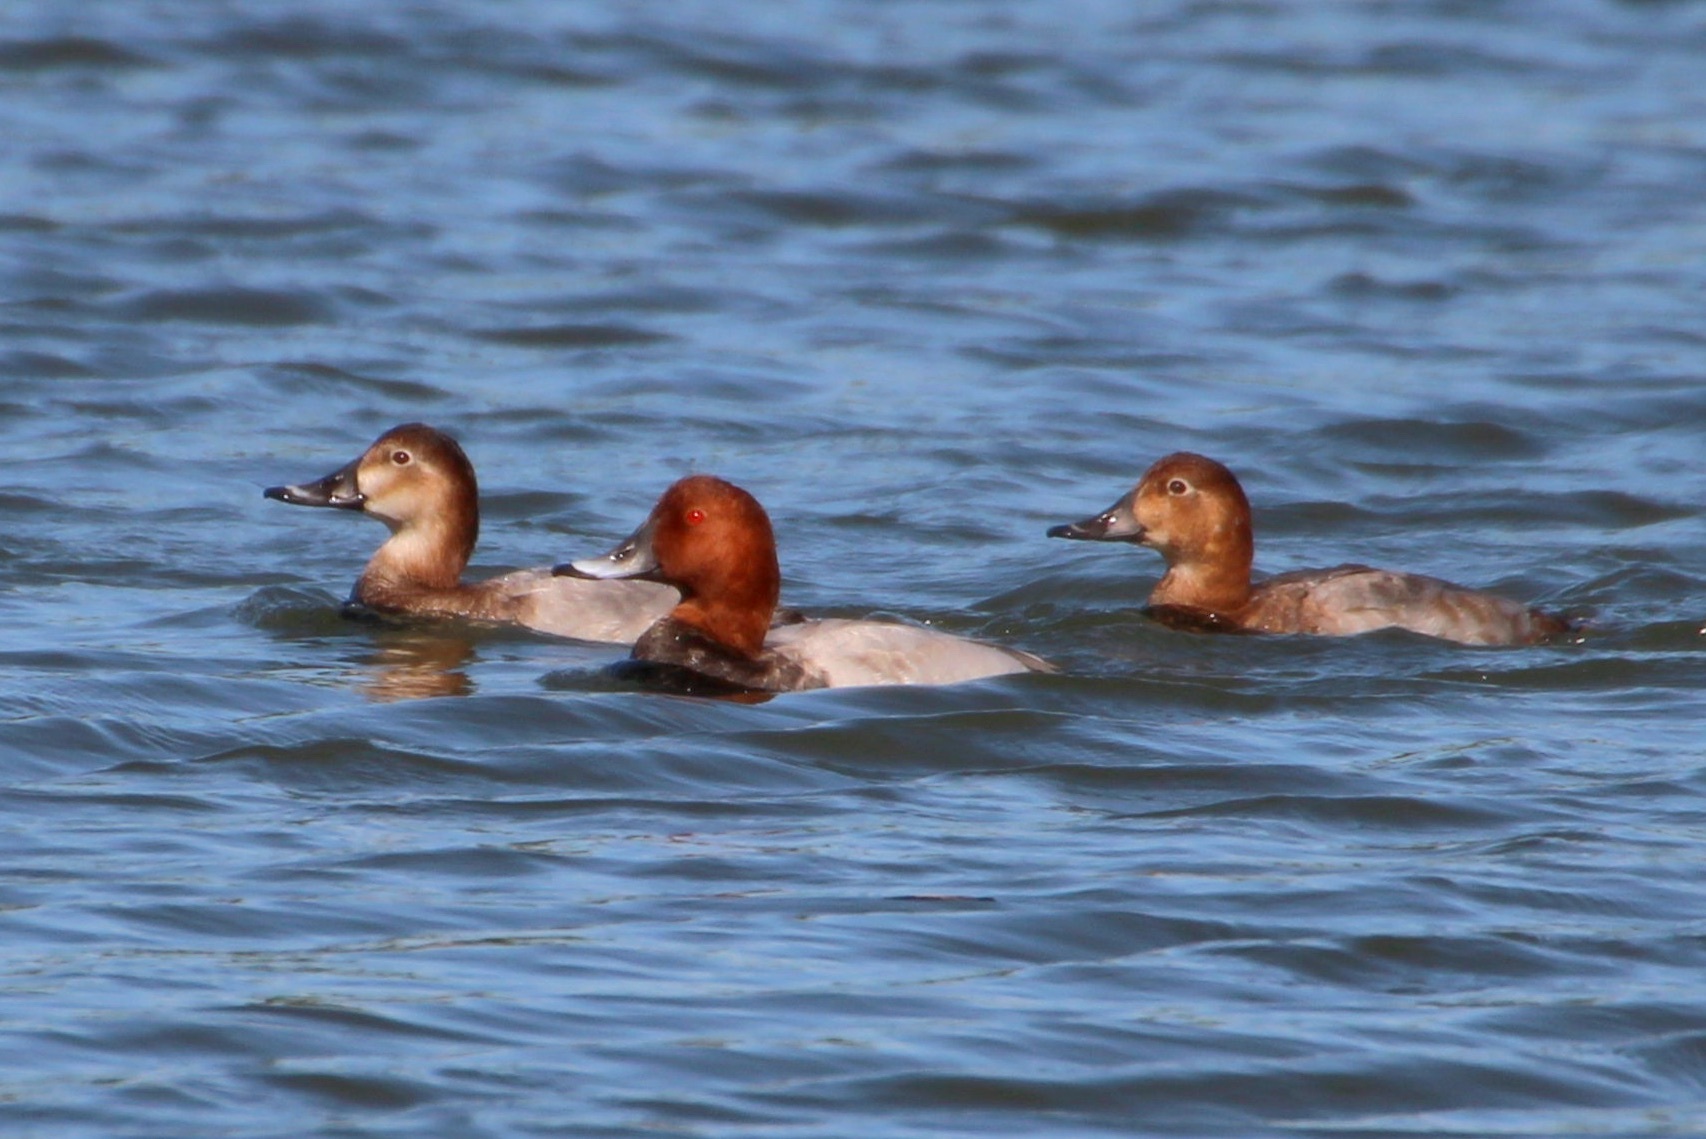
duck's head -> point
(1186, 506)
(713, 541)
(415, 479)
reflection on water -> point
(416, 666)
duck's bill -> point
(336, 489)
(1115, 524)
(631, 557)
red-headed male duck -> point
(417, 481)
(713, 541)
(1192, 510)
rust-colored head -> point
(1192, 511)
(713, 541)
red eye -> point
(401, 458)
(695, 516)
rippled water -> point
(927, 278)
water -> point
(926, 278)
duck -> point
(418, 481)
(1192, 510)
(713, 541)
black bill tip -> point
(1089, 530)
(322, 493)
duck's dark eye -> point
(1178, 486)
(401, 458)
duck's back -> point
(612, 611)
(843, 653)
(1353, 599)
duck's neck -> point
(421, 557)
(734, 608)
(737, 623)
(1216, 577)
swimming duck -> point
(1192, 511)
(713, 541)
(417, 481)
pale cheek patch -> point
(399, 506)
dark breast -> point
(677, 645)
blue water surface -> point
(927, 278)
